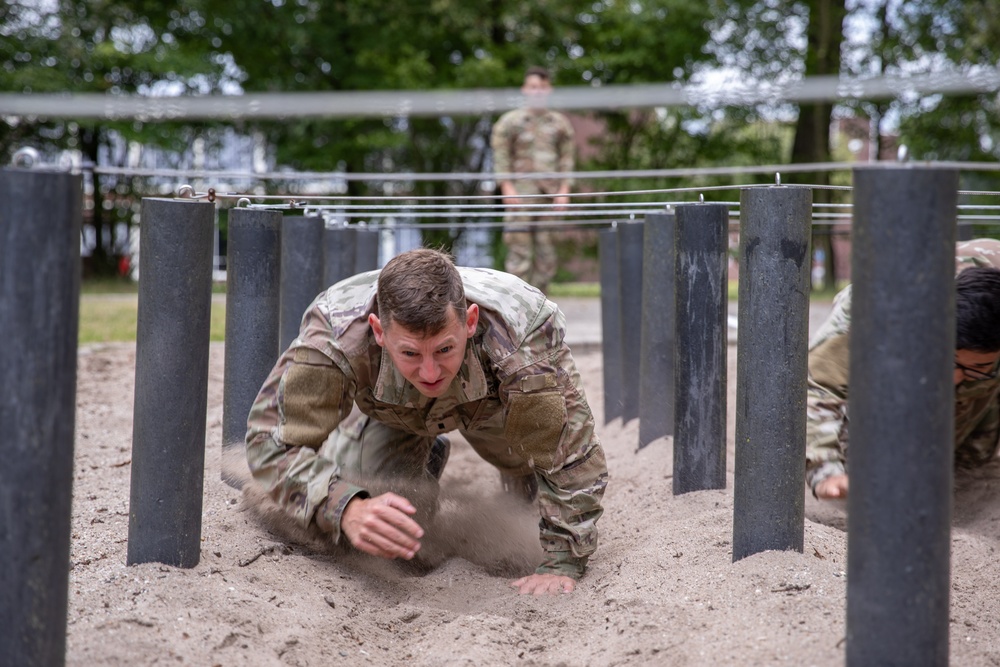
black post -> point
(301, 274)
(338, 254)
(366, 250)
(702, 331)
(768, 498)
(252, 269)
(611, 324)
(40, 214)
(656, 354)
(902, 416)
(630, 288)
(171, 382)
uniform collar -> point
(973, 389)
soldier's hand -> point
(560, 202)
(544, 584)
(834, 486)
(381, 526)
(513, 201)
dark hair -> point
(977, 309)
(540, 72)
(416, 289)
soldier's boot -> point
(525, 488)
(440, 451)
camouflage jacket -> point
(526, 140)
(517, 398)
(977, 411)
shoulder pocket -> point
(534, 425)
(313, 399)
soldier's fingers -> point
(399, 502)
(394, 518)
(400, 539)
(388, 547)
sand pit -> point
(661, 589)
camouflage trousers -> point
(827, 435)
(531, 254)
(381, 458)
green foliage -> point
(211, 46)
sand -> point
(661, 590)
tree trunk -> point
(101, 262)
(812, 129)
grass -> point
(111, 317)
(557, 290)
(108, 307)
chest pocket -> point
(399, 418)
(488, 416)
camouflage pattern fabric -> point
(526, 141)
(517, 399)
(533, 141)
(977, 411)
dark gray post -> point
(252, 270)
(702, 332)
(656, 353)
(902, 416)
(171, 382)
(965, 231)
(301, 274)
(366, 250)
(40, 214)
(611, 324)
(338, 254)
(630, 289)
(768, 498)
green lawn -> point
(108, 308)
(111, 317)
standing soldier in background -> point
(532, 139)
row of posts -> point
(669, 275)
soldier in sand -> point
(389, 361)
(532, 139)
(977, 385)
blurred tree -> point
(394, 44)
(113, 47)
(778, 41)
(922, 37)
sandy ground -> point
(661, 590)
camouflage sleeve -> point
(500, 143)
(548, 420)
(567, 146)
(302, 401)
(826, 435)
(981, 445)
(977, 252)
(826, 398)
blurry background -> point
(239, 47)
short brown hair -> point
(416, 288)
(540, 72)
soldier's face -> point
(429, 363)
(972, 365)
(536, 91)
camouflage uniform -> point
(335, 407)
(524, 141)
(977, 411)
